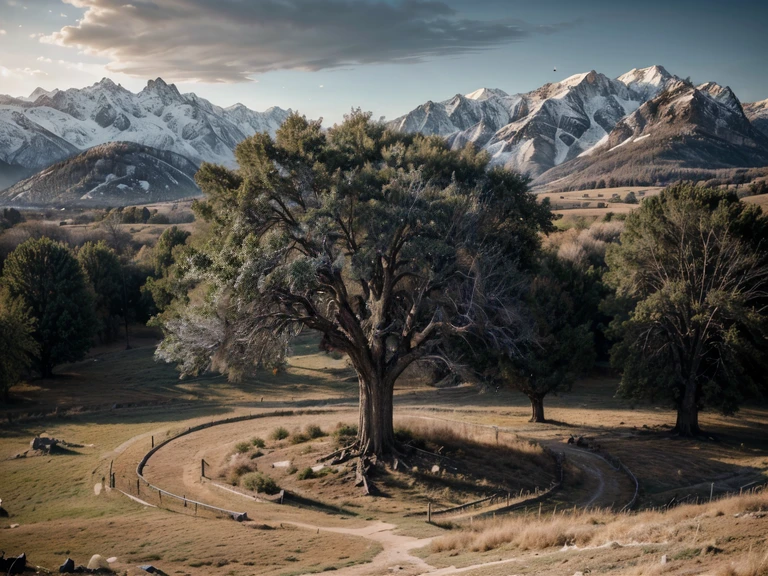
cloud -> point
(233, 40)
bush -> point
(258, 482)
(298, 437)
(159, 219)
(242, 447)
(306, 474)
(345, 430)
(279, 433)
(314, 431)
(238, 468)
(258, 442)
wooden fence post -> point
(429, 512)
(137, 486)
(153, 441)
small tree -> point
(386, 244)
(44, 278)
(692, 271)
(630, 198)
(17, 346)
(562, 347)
(102, 268)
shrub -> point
(258, 482)
(314, 431)
(258, 442)
(345, 430)
(239, 466)
(306, 474)
(291, 470)
(159, 219)
(279, 433)
(298, 437)
(242, 447)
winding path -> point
(175, 467)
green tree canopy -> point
(46, 279)
(17, 346)
(102, 268)
(692, 271)
(562, 344)
(386, 244)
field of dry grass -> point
(112, 405)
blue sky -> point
(324, 57)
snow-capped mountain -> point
(49, 126)
(114, 174)
(757, 112)
(684, 132)
(535, 131)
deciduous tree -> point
(386, 244)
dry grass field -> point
(114, 404)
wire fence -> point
(143, 491)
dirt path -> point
(395, 555)
(606, 486)
(176, 468)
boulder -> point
(68, 567)
(42, 443)
(96, 562)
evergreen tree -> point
(692, 272)
(17, 345)
(102, 268)
(46, 279)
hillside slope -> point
(115, 174)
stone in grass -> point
(97, 562)
(68, 567)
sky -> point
(325, 57)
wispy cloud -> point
(232, 40)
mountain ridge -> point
(50, 126)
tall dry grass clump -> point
(443, 433)
(754, 564)
(585, 528)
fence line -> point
(235, 515)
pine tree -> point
(46, 279)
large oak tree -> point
(692, 269)
(386, 244)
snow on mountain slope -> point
(757, 112)
(684, 128)
(114, 174)
(538, 130)
(48, 126)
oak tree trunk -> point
(376, 433)
(537, 409)
(688, 412)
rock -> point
(96, 562)
(148, 568)
(68, 567)
(112, 559)
(664, 559)
(42, 443)
(14, 526)
(435, 469)
(14, 565)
